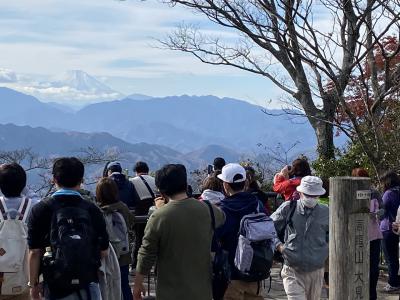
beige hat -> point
(311, 185)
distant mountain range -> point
(47, 143)
(183, 123)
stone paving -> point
(381, 284)
(277, 292)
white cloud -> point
(42, 38)
(52, 36)
(66, 93)
(7, 75)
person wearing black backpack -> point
(237, 205)
(67, 237)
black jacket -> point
(235, 208)
(127, 191)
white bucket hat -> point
(311, 185)
(230, 171)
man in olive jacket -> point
(178, 236)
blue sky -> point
(114, 41)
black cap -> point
(114, 167)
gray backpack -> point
(254, 252)
(117, 232)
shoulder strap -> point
(211, 213)
(293, 206)
(3, 208)
(25, 204)
(260, 206)
(148, 186)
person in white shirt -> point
(146, 188)
(144, 183)
(15, 203)
(14, 191)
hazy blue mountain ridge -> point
(184, 123)
(47, 143)
(189, 122)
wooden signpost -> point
(349, 215)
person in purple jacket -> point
(390, 244)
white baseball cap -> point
(311, 185)
(232, 173)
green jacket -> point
(178, 236)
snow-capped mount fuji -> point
(83, 82)
(73, 88)
(76, 88)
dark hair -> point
(359, 172)
(68, 172)
(390, 180)
(12, 179)
(213, 183)
(300, 168)
(171, 179)
(251, 178)
(105, 170)
(141, 167)
(106, 191)
(189, 191)
(219, 163)
(237, 186)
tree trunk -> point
(324, 134)
(325, 145)
(320, 119)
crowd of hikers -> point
(220, 245)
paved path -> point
(277, 292)
(381, 284)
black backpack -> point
(74, 258)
